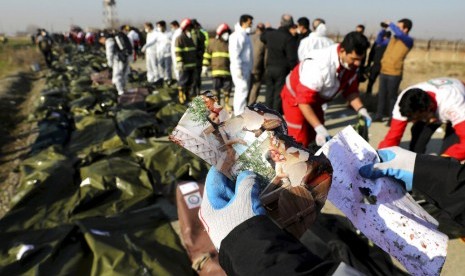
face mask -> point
(159, 29)
(345, 64)
(225, 36)
(147, 30)
(298, 31)
(248, 30)
(189, 35)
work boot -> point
(181, 96)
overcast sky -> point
(438, 19)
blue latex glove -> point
(364, 113)
(227, 204)
(395, 162)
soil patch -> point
(18, 95)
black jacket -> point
(281, 48)
(442, 181)
(259, 247)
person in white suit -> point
(241, 61)
(150, 50)
(316, 40)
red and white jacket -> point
(319, 78)
(448, 95)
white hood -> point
(320, 30)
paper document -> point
(381, 209)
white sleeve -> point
(396, 111)
(235, 48)
(109, 47)
(312, 75)
(302, 49)
(454, 110)
(151, 40)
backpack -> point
(123, 46)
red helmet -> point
(185, 23)
(222, 28)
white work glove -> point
(364, 113)
(204, 71)
(227, 204)
(395, 162)
(179, 66)
(322, 135)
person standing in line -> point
(176, 31)
(217, 57)
(241, 58)
(281, 49)
(361, 69)
(45, 43)
(392, 65)
(135, 40)
(150, 50)
(186, 60)
(303, 29)
(119, 63)
(258, 64)
(199, 39)
(90, 38)
(164, 52)
(374, 58)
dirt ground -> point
(18, 95)
(20, 91)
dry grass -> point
(421, 65)
(18, 55)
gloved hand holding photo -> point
(227, 204)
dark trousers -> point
(422, 132)
(48, 55)
(255, 85)
(186, 79)
(387, 94)
(222, 84)
(197, 84)
(374, 73)
(275, 78)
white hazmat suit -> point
(315, 40)
(151, 57)
(120, 68)
(241, 62)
